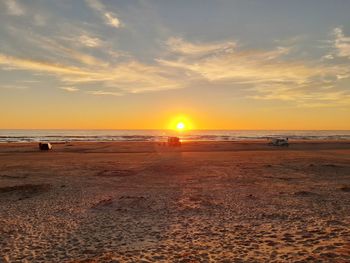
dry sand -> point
(203, 202)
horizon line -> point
(109, 129)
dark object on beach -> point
(345, 189)
(45, 146)
(174, 141)
(279, 142)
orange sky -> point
(136, 65)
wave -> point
(162, 135)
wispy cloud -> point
(13, 87)
(102, 92)
(89, 41)
(112, 20)
(178, 45)
(14, 8)
(81, 57)
(33, 65)
(223, 62)
(341, 43)
(70, 89)
(60, 48)
(30, 81)
(131, 76)
(303, 96)
(267, 74)
(109, 17)
(39, 20)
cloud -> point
(30, 81)
(341, 43)
(266, 74)
(102, 92)
(110, 18)
(60, 48)
(328, 56)
(223, 63)
(33, 65)
(269, 74)
(178, 45)
(13, 87)
(306, 97)
(39, 20)
(131, 76)
(70, 89)
(89, 41)
(14, 8)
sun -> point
(180, 126)
(180, 123)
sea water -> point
(161, 135)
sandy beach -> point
(202, 202)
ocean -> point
(161, 135)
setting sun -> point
(180, 122)
(180, 126)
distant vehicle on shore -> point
(45, 146)
(174, 141)
(279, 142)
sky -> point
(144, 64)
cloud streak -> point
(254, 66)
(268, 74)
(178, 45)
(26, 64)
(131, 77)
(102, 93)
(70, 89)
(89, 41)
(13, 8)
(341, 43)
(82, 57)
(110, 18)
(13, 87)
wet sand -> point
(203, 202)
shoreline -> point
(162, 135)
(187, 146)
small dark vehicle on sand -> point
(45, 146)
(279, 142)
(174, 141)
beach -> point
(201, 202)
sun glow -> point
(180, 123)
(180, 126)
